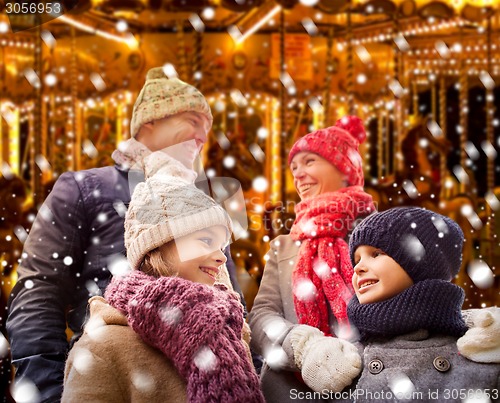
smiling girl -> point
(167, 331)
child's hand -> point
(327, 363)
(481, 343)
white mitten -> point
(481, 343)
(327, 363)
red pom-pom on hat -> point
(354, 126)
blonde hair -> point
(159, 261)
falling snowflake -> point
(461, 175)
(196, 22)
(92, 287)
(410, 189)
(477, 396)
(205, 359)
(120, 208)
(83, 360)
(275, 357)
(396, 88)
(171, 315)
(20, 233)
(309, 26)
(98, 82)
(25, 391)
(257, 152)
(413, 247)
(468, 212)
(29, 284)
(95, 327)
(89, 149)
(321, 269)
(238, 98)
(471, 151)
(118, 265)
(260, 184)
(68, 260)
(142, 381)
(305, 290)
(492, 200)
(480, 274)
(401, 386)
(4, 346)
(45, 213)
(229, 162)
(274, 328)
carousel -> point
(423, 75)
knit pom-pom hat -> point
(167, 206)
(161, 97)
(427, 245)
(339, 145)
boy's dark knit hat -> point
(427, 245)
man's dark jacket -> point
(75, 245)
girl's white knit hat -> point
(167, 206)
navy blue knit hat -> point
(425, 244)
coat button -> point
(441, 364)
(375, 366)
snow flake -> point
(29, 284)
(402, 386)
(20, 233)
(4, 346)
(92, 287)
(197, 23)
(83, 360)
(142, 381)
(205, 359)
(45, 213)
(229, 162)
(480, 274)
(25, 391)
(118, 265)
(68, 260)
(171, 315)
(492, 200)
(95, 327)
(260, 184)
(410, 189)
(257, 152)
(321, 269)
(275, 357)
(305, 290)
(120, 208)
(413, 247)
(274, 328)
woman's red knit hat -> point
(339, 145)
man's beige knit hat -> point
(167, 206)
(161, 97)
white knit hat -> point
(161, 97)
(167, 206)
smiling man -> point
(76, 242)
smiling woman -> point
(307, 279)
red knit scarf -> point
(323, 270)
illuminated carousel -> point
(422, 74)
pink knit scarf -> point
(323, 270)
(197, 327)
